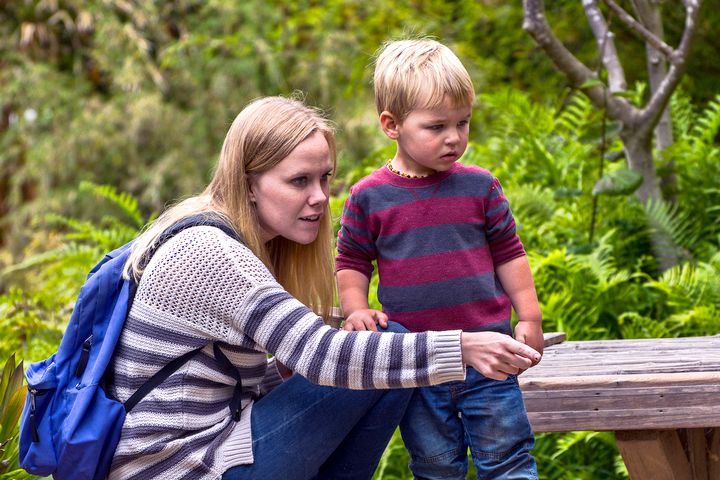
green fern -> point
(574, 117)
(682, 113)
(126, 202)
(675, 223)
(707, 123)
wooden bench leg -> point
(653, 455)
(714, 454)
(685, 454)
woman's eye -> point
(299, 181)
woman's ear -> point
(251, 194)
(389, 124)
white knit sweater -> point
(203, 287)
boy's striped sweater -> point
(437, 241)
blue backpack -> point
(70, 426)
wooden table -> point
(661, 397)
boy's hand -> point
(365, 319)
(530, 333)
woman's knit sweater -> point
(203, 287)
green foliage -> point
(139, 95)
(12, 399)
(33, 317)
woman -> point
(203, 287)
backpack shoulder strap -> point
(207, 219)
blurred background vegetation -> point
(111, 109)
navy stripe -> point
(299, 349)
(432, 239)
(396, 360)
(258, 314)
(315, 368)
(412, 298)
(282, 328)
(369, 363)
(344, 358)
(379, 197)
(188, 407)
(170, 336)
(502, 327)
(421, 359)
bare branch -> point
(577, 73)
(606, 46)
(638, 28)
(678, 65)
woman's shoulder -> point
(208, 251)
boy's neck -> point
(397, 168)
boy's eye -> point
(463, 123)
(326, 176)
(435, 127)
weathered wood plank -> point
(654, 455)
(553, 338)
(626, 419)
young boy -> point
(448, 258)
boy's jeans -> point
(488, 416)
(303, 431)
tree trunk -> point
(648, 12)
(638, 152)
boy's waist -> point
(475, 316)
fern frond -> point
(707, 123)
(682, 113)
(574, 116)
(675, 223)
(126, 202)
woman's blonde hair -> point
(419, 73)
(262, 135)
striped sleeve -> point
(359, 360)
(500, 227)
(355, 244)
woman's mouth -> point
(310, 218)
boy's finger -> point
(383, 320)
(526, 351)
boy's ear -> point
(389, 124)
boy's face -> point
(429, 140)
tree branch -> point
(606, 46)
(639, 29)
(577, 73)
(678, 65)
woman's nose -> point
(318, 195)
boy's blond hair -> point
(419, 73)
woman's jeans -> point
(487, 416)
(303, 431)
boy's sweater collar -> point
(399, 181)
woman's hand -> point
(496, 355)
(365, 319)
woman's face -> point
(292, 197)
